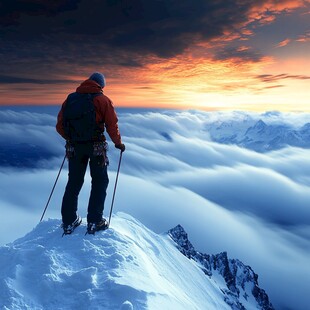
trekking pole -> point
(119, 165)
(49, 198)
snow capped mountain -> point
(240, 285)
(258, 135)
(125, 267)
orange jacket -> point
(105, 113)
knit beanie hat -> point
(99, 78)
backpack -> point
(79, 118)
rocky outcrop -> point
(241, 281)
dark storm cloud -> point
(12, 10)
(17, 80)
(164, 28)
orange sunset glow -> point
(257, 60)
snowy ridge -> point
(259, 136)
(240, 285)
(125, 267)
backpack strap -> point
(96, 94)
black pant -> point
(77, 168)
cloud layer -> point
(253, 205)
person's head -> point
(98, 78)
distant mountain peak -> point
(260, 124)
(305, 129)
(241, 281)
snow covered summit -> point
(125, 267)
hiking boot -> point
(93, 227)
(68, 229)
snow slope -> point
(125, 267)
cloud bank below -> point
(252, 204)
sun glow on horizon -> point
(214, 59)
(188, 81)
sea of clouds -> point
(228, 198)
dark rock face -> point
(240, 280)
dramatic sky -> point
(208, 54)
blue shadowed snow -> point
(125, 267)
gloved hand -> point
(70, 152)
(120, 146)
